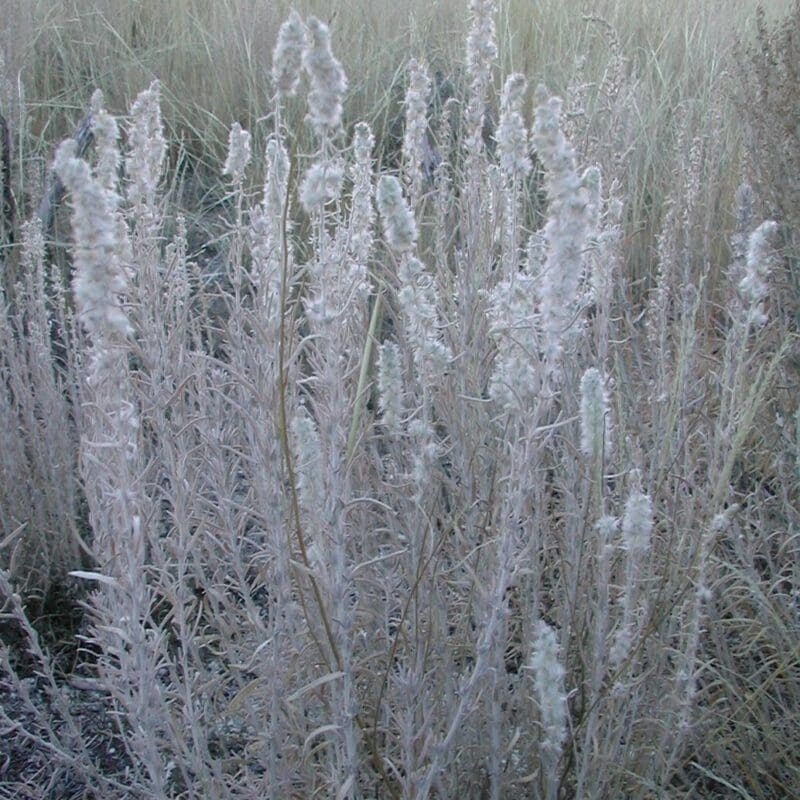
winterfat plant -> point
(328, 81)
(418, 299)
(362, 215)
(637, 523)
(594, 414)
(516, 378)
(548, 683)
(399, 226)
(416, 104)
(481, 55)
(147, 148)
(760, 257)
(512, 135)
(567, 226)
(322, 184)
(328, 563)
(287, 57)
(239, 153)
(99, 278)
(390, 386)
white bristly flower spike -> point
(637, 523)
(512, 135)
(362, 215)
(637, 527)
(310, 482)
(277, 175)
(106, 137)
(328, 81)
(567, 227)
(760, 257)
(548, 680)
(398, 221)
(594, 410)
(481, 54)
(418, 299)
(516, 380)
(390, 386)
(238, 153)
(147, 148)
(287, 57)
(416, 103)
(99, 277)
(322, 184)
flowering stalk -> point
(548, 681)
(147, 151)
(328, 81)
(268, 223)
(390, 387)
(399, 226)
(760, 257)
(516, 379)
(566, 229)
(362, 214)
(287, 57)
(595, 428)
(515, 165)
(335, 296)
(416, 128)
(481, 55)
(111, 462)
(637, 526)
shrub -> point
(425, 508)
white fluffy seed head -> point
(516, 380)
(548, 680)
(416, 105)
(481, 55)
(398, 221)
(363, 143)
(147, 147)
(287, 57)
(606, 528)
(106, 137)
(419, 302)
(99, 277)
(637, 522)
(238, 153)
(322, 184)
(760, 257)
(277, 175)
(310, 482)
(567, 227)
(512, 135)
(594, 410)
(362, 214)
(390, 386)
(328, 81)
